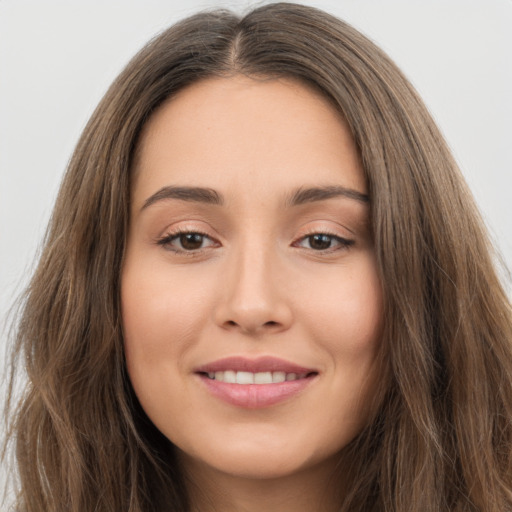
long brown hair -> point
(442, 436)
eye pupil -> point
(191, 241)
(320, 242)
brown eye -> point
(187, 241)
(320, 242)
(191, 241)
(324, 242)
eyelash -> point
(165, 242)
(343, 243)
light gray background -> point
(57, 59)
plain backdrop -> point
(57, 59)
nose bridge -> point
(254, 298)
(253, 275)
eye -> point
(323, 242)
(186, 241)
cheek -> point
(159, 324)
(159, 305)
(360, 329)
(348, 313)
(348, 325)
(148, 314)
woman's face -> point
(251, 303)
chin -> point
(262, 457)
(256, 466)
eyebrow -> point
(298, 197)
(313, 194)
(193, 194)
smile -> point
(255, 384)
(234, 377)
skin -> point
(256, 285)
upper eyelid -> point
(343, 241)
(170, 232)
(181, 231)
(170, 235)
(189, 226)
(311, 226)
(327, 231)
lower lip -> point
(256, 396)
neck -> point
(313, 490)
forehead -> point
(224, 132)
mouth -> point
(255, 383)
(244, 378)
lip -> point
(255, 396)
(260, 364)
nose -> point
(255, 294)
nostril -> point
(271, 323)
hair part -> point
(441, 435)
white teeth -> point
(278, 377)
(263, 378)
(244, 378)
(232, 377)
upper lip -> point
(260, 364)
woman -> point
(264, 286)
